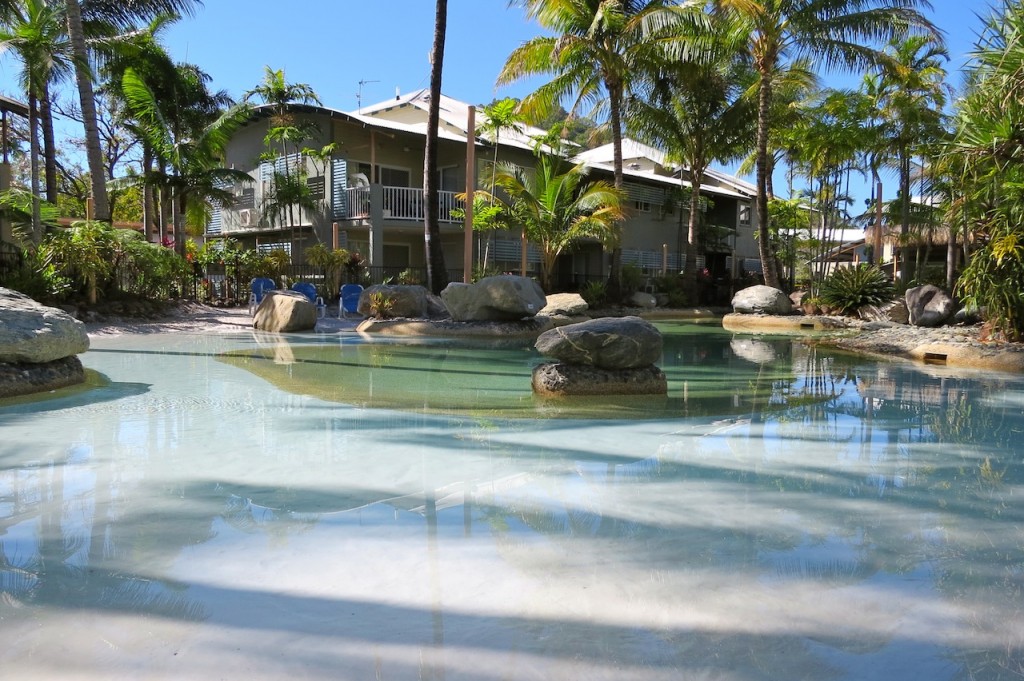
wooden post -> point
(334, 231)
(467, 245)
(664, 259)
(88, 208)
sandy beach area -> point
(196, 318)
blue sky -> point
(332, 45)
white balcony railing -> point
(398, 203)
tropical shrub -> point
(994, 281)
(849, 288)
(381, 305)
(595, 293)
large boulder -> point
(33, 333)
(561, 379)
(894, 311)
(761, 300)
(407, 301)
(565, 304)
(929, 305)
(501, 298)
(285, 311)
(607, 343)
(643, 299)
(27, 378)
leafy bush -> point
(381, 305)
(849, 288)
(632, 279)
(994, 280)
(595, 293)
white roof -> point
(454, 114)
(631, 149)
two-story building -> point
(368, 194)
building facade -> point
(366, 195)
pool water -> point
(329, 507)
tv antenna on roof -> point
(359, 94)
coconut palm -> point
(36, 29)
(192, 173)
(909, 98)
(596, 48)
(499, 116)
(837, 33)
(114, 13)
(556, 209)
(695, 109)
(285, 136)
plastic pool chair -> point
(258, 288)
(349, 299)
(308, 290)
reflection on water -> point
(406, 512)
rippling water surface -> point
(325, 507)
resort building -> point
(368, 195)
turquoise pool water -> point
(238, 506)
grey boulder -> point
(929, 305)
(894, 311)
(34, 333)
(761, 300)
(561, 379)
(565, 304)
(410, 301)
(285, 311)
(608, 343)
(502, 298)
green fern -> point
(850, 288)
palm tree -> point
(910, 98)
(695, 109)
(437, 277)
(115, 13)
(33, 29)
(498, 116)
(835, 33)
(556, 209)
(597, 47)
(193, 174)
(285, 135)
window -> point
(642, 206)
(387, 176)
(745, 214)
(450, 179)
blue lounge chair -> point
(258, 288)
(349, 299)
(308, 290)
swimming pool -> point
(242, 506)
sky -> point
(376, 47)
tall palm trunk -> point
(764, 246)
(149, 216)
(904, 215)
(83, 76)
(437, 278)
(615, 92)
(696, 178)
(49, 145)
(33, 136)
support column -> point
(376, 253)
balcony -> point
(397, 203)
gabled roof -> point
(632, 152)
(453, 113)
